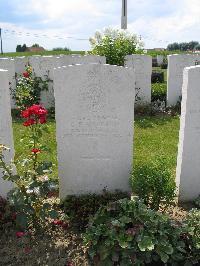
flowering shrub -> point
(28, 89)
(32, 185)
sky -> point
(70, 23)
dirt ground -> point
(53, 245)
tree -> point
(197, 47)
(24, 47)
(173, 46)
(183, 46)
(115, 45)
(35, 45)
(19, 48)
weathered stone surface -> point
(142, 66)
(43, 67)
(94, 120)
(176, 65)
(160, 59)
(20, 64)
(8, 64)
(6, 135)
(188, 162)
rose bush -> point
(32, 186)
(28, 88)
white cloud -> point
(160, 21)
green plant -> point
(115, 45)
(80, 209)
(192, 235)
(159, 92)
(153, 183)
(197, 202)
(30, 197)
(28, 89)
(126, 232)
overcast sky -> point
(159, 22)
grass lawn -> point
(153, 137)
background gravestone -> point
(9, 64)
(43, 67)
(176, 65)
(142, 65)
(188, 163)
(94, 120)
(6, 135)
(20, 64)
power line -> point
(38, 35)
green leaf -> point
(146, 243)
(53, 214)
(164, 257)
(22, 220)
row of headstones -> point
(94, 128)
(142, 65)
(43, 67)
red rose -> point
(43, 119)
(20, 234)
(35, 151)
(29, 122)
(14, 216)
(58, 222)
(26, 74)
(25, 113)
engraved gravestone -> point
(94, 119)
(188, 162)
(142, 66)
(6, 136)
(176, 65)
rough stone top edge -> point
(171, 55)
(192, 68)
(146, 55)
(83, 65)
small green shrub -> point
(153, 183)
(159, 92)
(192, 228)
(79, 209)
(127, 233)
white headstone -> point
(94, 119)
(160, 60)
(188, 162)
(8, 64)
(20, 64)
(142, 66)
(43, 67)
(6, 135)
(176, 64)
(79, 59)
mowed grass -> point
(153, 137)
(156, 137)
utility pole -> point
(1, 42)
(124, 15)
